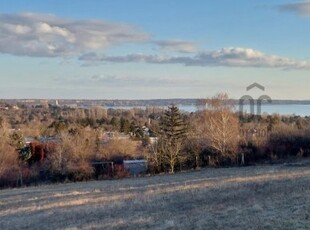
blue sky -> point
(100, 49)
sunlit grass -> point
(268, 197)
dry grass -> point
(266, 197)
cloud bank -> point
(302, 8)
(177, 45)
(39, 35)
(45, 35)
(229, 57)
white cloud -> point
(177, 45)
(302, 8)
(230, 57)
(48, 36)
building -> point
(135, 167)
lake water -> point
(301, 110)
(284, 109)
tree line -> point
(170, 140)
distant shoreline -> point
(132, 103)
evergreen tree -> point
(124, 125)
(115, 122)
(173, 132)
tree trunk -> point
(242, 158)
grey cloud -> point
(49, 36)
(230, 57)
(302, 8)
(177, 45)
(142, 58)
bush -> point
(9, 163)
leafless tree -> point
(9, 162)
(220, 127)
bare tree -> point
(9, 162)
(194, 144)
(220, 127)
(72, 155)
(154, 156)
(124, 148)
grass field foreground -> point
(256, 197)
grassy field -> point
(260, 197)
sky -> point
(137, 49)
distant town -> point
(84, 103)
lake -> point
(283, 109)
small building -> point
(135, 167)
(103, 168)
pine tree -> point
(124, 125)
(173, 134)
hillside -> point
(265, 197)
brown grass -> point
(265, 197)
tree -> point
(9, 162)
(220, 128)
(124, 125)
(119, 148)
(115, 122)
(173, 132)
(194, 144)
(71, 157)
